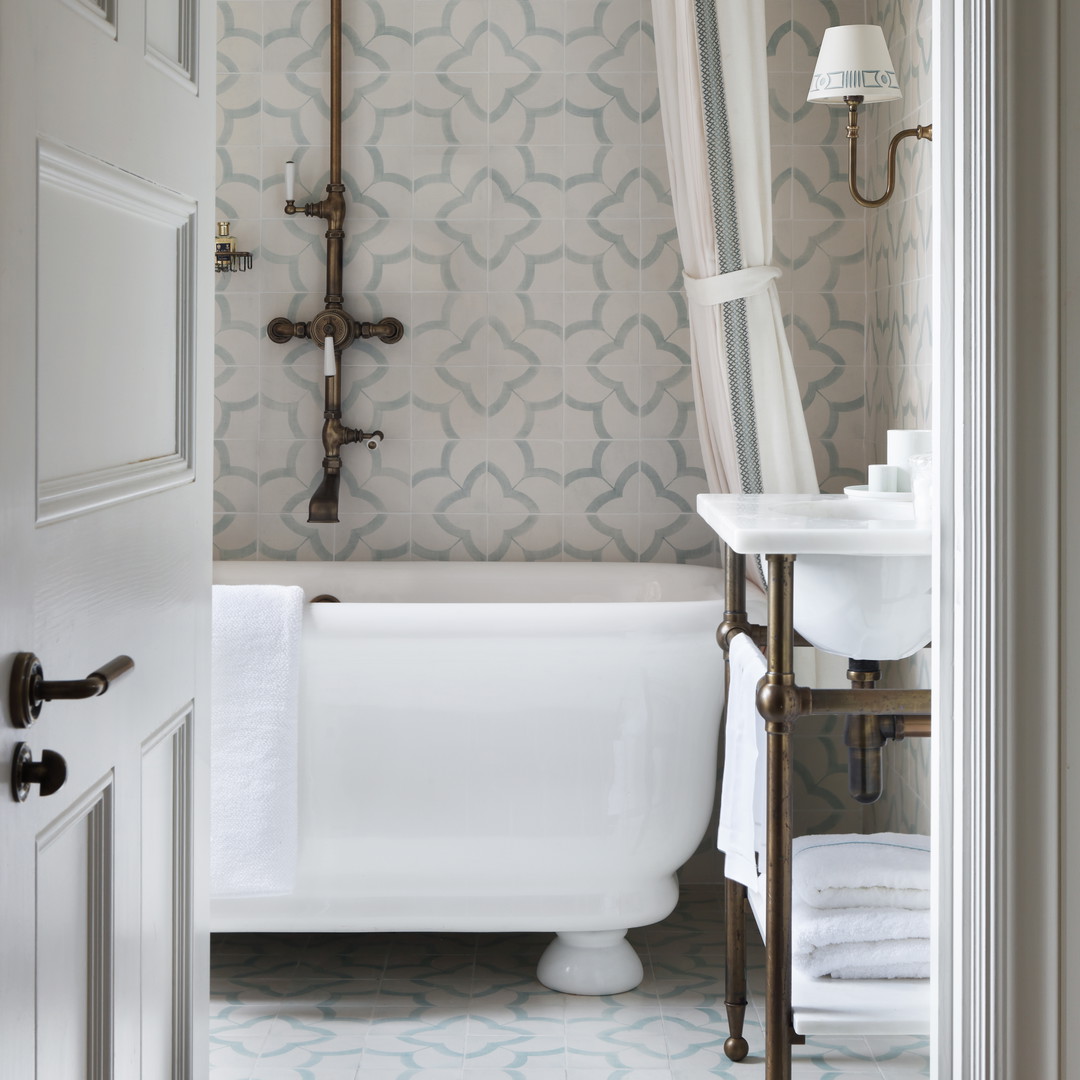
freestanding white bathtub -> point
(494, 747)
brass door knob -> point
(50, 772)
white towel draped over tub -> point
(255, 680)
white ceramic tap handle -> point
(329, 360)
(290, 181)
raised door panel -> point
(73, 979)
(115, 282)
(101, 13)
(166, 910)
(171, 34)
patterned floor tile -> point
(468, 1007)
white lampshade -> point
(854, 61)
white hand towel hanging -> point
(741, 834)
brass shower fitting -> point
(332, 324)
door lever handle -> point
(30, 689)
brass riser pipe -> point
(333, 321)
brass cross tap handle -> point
(30, 690)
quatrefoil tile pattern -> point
(510, 202)
(463, 1006)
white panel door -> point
(106, 166)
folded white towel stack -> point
(861, 943)
(861, 907)
(255, 680)
(741, 833)
(851, 870)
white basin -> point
(862, 568)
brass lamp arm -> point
(920, 132)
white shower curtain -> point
(714, 104)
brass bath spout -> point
(333, 327)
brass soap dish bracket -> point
(332, 329)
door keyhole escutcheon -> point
(30, 689)
(50, 772)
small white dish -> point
(861, 491)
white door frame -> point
(997, 783)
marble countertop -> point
(815, 525)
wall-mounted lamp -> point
(854, 67)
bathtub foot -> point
(590, 962)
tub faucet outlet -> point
(323, 508)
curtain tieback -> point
(736, 285)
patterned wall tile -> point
(450, 256)
(602, 401)
(450, 536)
(289, 471)
(828, 256)
(236, 401)
(450, 403)
(378, 480)
(240, 37)
(526, 109)
(522, 536)
(236, 536)
(372, 537)
(810, 23)
(603, 536)
(676, 537)
(525, 255)
(378, 109)
(509, 199)
(526, 35)
(602, 328)
(239, 107)
(288, 537)
(450, 36)
(525, 402)
(608, 108)
(378, 37)
(451, 109)
(666, 402)
(449, 477)
(602, 257)
(236, 476)
(599, 476)
(526, 182)
(525, 476)
(604, 35)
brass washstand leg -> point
(735, 622)
(778, 703)
(735, 1046)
